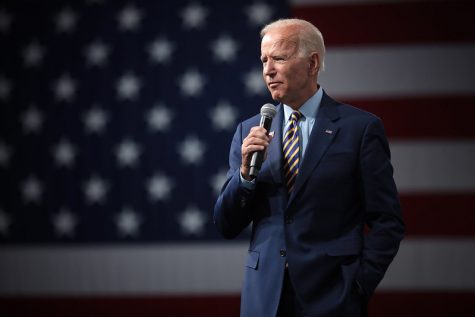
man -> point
(326, 176)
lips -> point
(274, 84)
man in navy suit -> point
(310, 254)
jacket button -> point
(288, 220)
(283, 253)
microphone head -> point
(268, 110)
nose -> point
(268, 68)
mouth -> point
(274, 84)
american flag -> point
(115, 123)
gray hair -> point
(310, 37)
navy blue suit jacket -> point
(345, 182)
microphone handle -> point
(258, 156)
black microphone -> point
(267, 114)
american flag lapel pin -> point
(329, 132)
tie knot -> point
(296, 115)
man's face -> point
(289, 77)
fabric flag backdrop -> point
(115, 124)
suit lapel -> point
(322, 135)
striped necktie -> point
(291, 151)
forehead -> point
(276, 40)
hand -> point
(257, 140)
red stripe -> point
(424, 117)
(403, 22)
(421, 304)
(387, 304)
(437, 214)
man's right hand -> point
(257, 140)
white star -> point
(161, 51)
(32, 190)
(64, 153)
(192, 221)
(224, 49)
(217, 181)
(5, 222)
(191, 83)
(5, 88)
(64, 223)
(5, 154)
(128, 87)
(159, 118)
(65, 88)
(95, 120)
(128, 153)
(97, 53)
(129, 18)
(128, 222)
(254, 82)
(33, 54)
(66, 20)
(194, 16)
(223, 116)
(191, 150)
(259, 13)
(5, 21)
(32, 120)
(95, 190)
(159, 187)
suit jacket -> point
(345, 183)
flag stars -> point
(33, 55)
(65, 88)
(223, 116)
(159, 187)
(97, 53)
(191, 83)
(128, 222)
(217, 181)
(5, 88)
(128, 87)
(159, 118)
(192, 221)
(32, 190)
(5, 154)
(66, 21)
(224, 49)
(259, 13)
(64, 223)
(95, 190)
(129, 18)
(32, 120)
(191, 150)
(5, 223)
(95, 120)
(128, 153)
(64, 153)
(194, 16)
(5, 21)
(254, 82)
(160, 51)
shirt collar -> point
(309, 109)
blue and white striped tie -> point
(291, 151)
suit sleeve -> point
(382, 208)
(232, 212)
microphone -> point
(267, 114)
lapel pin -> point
(328, 131)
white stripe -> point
(434, 166)
(400, 71)
(297, 3)
(204, 269)
(433, 265)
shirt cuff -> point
(247, 184)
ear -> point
(314, 63)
